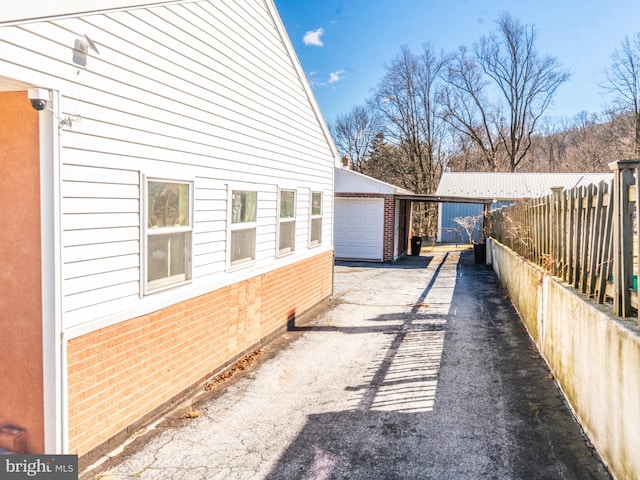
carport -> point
(446, 199)
(373, 218)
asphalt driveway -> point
(418, 370)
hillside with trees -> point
(482, 108)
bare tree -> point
(385, 162)
(524, 82)
(406, 98)
(468, 224)
(587, 147)
(353, 133)
(550, 146)
(618, 133)
(623, 78)
(468, 110)
(466, 156)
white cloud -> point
(312, 37)
(336, 76)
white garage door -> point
(358, 229)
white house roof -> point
(348, 181)
(502, 186)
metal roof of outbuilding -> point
(503, 186)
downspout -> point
(439, 231)
(53, 348)
(63, 393)
(64, 397)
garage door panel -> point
(359, 228)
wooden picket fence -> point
(586, 236)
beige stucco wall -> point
(21, 397)
(594, 356)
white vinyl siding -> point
(202, 90)
(101, 239)
(210, 228)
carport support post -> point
(623, 177)
(485, 215)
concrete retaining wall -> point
(594, 356)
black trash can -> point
(416, 246)
(480, 251)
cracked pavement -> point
(418, 370)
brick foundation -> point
(119, 374)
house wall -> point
(390, 224)
(21, 297)
(119, 374)
(204, 92)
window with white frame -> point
(315, 236)
(244, 217)
(168, 233)
(287, 222)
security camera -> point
(39, 98)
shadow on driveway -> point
(457, 392)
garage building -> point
(371, 220)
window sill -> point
(285, 252)
(240, 264)
(163, 288)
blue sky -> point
(343, 45)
